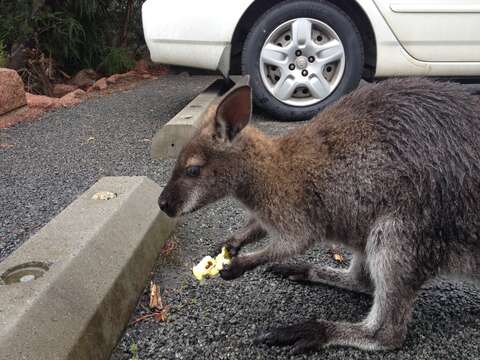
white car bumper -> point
(190, 32)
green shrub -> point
(118, 60)
(3, 55)
(77, 34)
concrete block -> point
(171, 137)
(69, 291)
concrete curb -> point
(85, 271)
(171, 137)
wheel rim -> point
(302, 62)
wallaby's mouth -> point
(189, 211)
(172, 211)
(173, 214)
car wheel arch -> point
(350, 7)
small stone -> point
(27, 278)
(104, 195)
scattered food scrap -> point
(339, 257)
(209, 267)
(104, 195)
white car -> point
(302, 55)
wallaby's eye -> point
(192, 171)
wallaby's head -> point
(205, 169)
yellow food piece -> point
(222, 259)
(205, 268)
(209, 267)
(338, 257)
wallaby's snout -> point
(205, 169)
(165, 206)
(176, 198)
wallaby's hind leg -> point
(355, 278)
(396, 279)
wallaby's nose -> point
(163, 204)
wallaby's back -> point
(404, 146)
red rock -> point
(72, 98)
(12, 94)
(131, 73)
(116, 77)
(84, 78)
(22, 114)
(113, 79)
(99, 85)
(47, 103)
(60, 90)
(42, 102)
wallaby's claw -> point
(232, 250)
(294, 272)
(305, 346)
(304, 337)
(233, 270)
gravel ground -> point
(55, 159)
(51, 161)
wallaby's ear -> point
(233, 113)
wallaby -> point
(391, 171)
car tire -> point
(295, 15)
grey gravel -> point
(53, 161)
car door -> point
(435, 30)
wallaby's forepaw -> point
(234, 270)
(303, 337)
(294, 272)
(232, 249)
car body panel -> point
(198, 34)
(435, 30)
(191, 33)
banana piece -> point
(209, 267)
(222, 259)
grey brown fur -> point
(392, 171)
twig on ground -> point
(159, 311)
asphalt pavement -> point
(53, 160)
